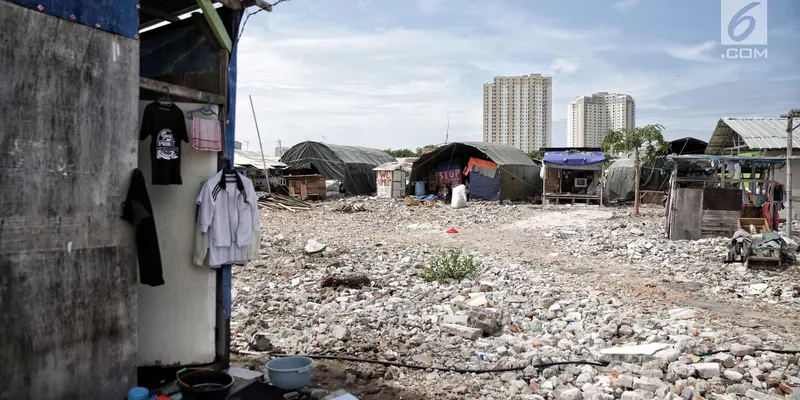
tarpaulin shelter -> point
(518, 175)
(348, 164)
(573, 174)
(620, 179)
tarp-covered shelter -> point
(620, 178)
(348, 164)
(573, 173)
(516, 176)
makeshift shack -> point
(392, 178)
(708, 194)
(491, 171)
(77, 77)
(573, 174)
(620, 176)
(251, 164)
(759, 136)
(352, 166)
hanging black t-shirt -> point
(166, 127)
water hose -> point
(444, 369)
(491, 370)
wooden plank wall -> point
(685, 219)
(68, 275)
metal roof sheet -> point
(754, 133)
(501, 154)
(245, 157)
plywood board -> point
(687, 216)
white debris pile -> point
(648, 318)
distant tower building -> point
(280, 150)
(590, 117)
(517, 111)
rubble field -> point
(644, 317)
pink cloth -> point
(206, 134)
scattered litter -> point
(352, 207)
(452, 230)
(353, 282)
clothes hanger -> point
(205, 110)
(165, 101)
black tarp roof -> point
(348, 164)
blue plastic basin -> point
(289, 373)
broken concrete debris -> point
(314, 247)
(671, 319)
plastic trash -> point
(459, 197)
(452, 230)
(138, 393)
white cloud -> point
(429, 6)
(625, 4)
(392, 87)
(693, 52)
(563, 66)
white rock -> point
(707, 370)
(741, 350)
(340, 332)
(462, 331)
(733, 375)
(313, 247)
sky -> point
(389, 73)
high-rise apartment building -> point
(590, 117)
(517, 111)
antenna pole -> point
(260, 146)
(447, 132)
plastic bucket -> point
(138, 393)
(419, 188)
(205, 385)
(289, 373)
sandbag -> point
(459, 197)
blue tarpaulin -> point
(230, 120)
(117, 16)
(483, 187)
(574, 157)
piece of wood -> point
(155, 13)
(232, 4)
(180, 91)
(687, 222)
(215, 22)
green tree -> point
(420, 150)
(535, 155)
(645, 143)
(400, 153)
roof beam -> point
(180, 91)
(155, 13)
(232, 4)
(215, 23)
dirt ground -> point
(521, 235)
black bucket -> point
(205, 385)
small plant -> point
(452, 265)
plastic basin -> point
(205, 385)
(289, 373)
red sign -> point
(453, 176)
